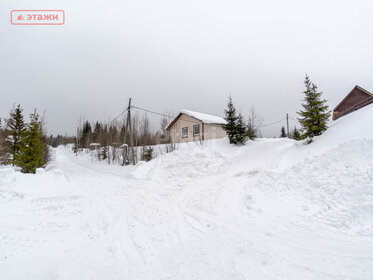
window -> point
(185, 132)
(196, 130)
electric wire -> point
(117, 117)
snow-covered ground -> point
(273, 209)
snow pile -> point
(272, 209)
(336, 187)
(355, 126)
(188, 162)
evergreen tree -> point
(315, 113)
(296, 134)
(32, 150)
(231, 118)
(16, 126)
(85, 137)
(283, 133)
(241, 136)
(96, 132)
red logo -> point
(37, 17)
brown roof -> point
(356, 87)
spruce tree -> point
(231, 118)
(96, 132)
(315, 113)
(16, 126)
(296, 134)
(241, 136)
(85, 137)
(31, 154)
(283, 133)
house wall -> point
(185, 121)
(211, 131)
(214, 131)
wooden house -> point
(356, 99)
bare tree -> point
(47, 152)
(4, 132)
(145, 133)
(164, 133)
(254, 122)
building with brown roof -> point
(356, 99)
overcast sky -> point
(174, 55)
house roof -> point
(205, 118)
(355, 87)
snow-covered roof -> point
(205, 118)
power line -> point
(152, 112)
(268, 124)
(163, 115)
(173, 117)
(169, 116)
(117, 117)
(292, 118)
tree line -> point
(110, 139)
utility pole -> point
(131, 134)
(129, 128)
(287, 124)
(125, 146)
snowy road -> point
(203, 212)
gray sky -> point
(169, 54)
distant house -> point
(193, 126)
(356, 99)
